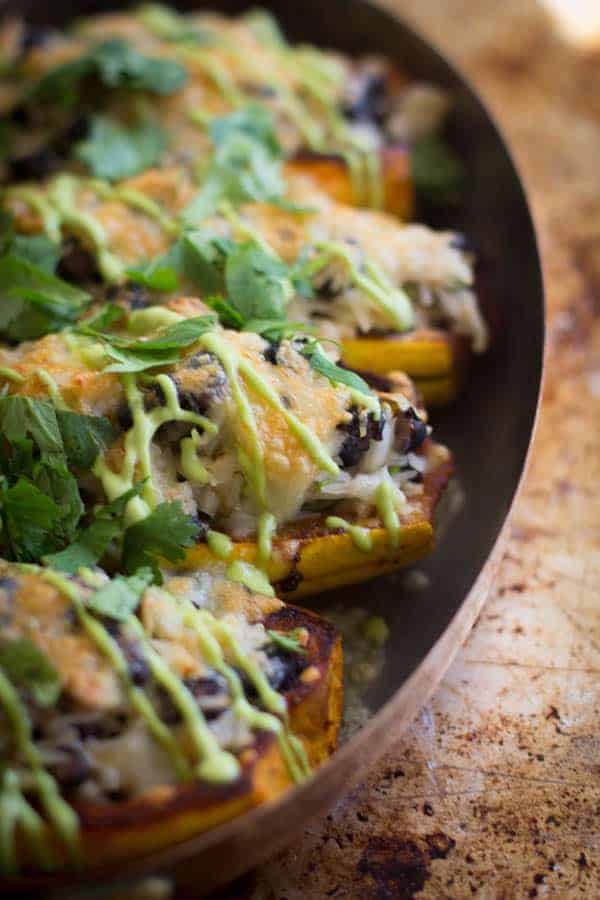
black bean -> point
(74, 768)
(77, 264)
(34, 37)
(286, 668)
(34, 166)
(270, 352)
(124, 417)
(101, 728)
(139, 670)
(136, 296)
(418, 432)
(329, 290)
(204, 522)
(360, 434)
(206, 691)
(50, 157)
(371, 102)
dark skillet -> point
(489, 430)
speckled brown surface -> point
(495, 791)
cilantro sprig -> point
(40, 504)
(246, 166)
(114, 64)
(113, 152)
(132, 355)
(33, 301)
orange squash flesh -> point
(331, 174)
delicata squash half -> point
(263, 453)
(151, 82)
(135, 716)
(394, 296)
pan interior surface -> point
(489, 427)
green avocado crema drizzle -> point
(212, 636)
(15, 809)
(138, 441)
(361, 537)
(138, 699)
(393, 301)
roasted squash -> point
(333, 176)
(157, 814)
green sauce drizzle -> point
(385, 505)
(254, 579)
(214, 764)
(62, 197)
(219, 544)
(137, 698)
(191, 466)
(11, 375)
(267, 526)
(361, 537)
(59, 813)
(394, 302)
(137, 445)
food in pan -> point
(206, 343)
(154, 80)
(403, 298)
(281, 458)
(133, 716)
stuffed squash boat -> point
(395, 296)
(280, 458)
(133, 716)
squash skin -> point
(330, 173)
(308, 558)
(112, 833)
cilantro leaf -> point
(114, 152)
(28, 668)
(203, 259)
(115, 64)
(438, 173)
(23, 417)
(36, 249)
(157, 275)
(120, 597)
(164, 533)
(257, 283)
(336, 374)
(92, 542)
(245, 167)
(253, 120)
(30, 520)
(34, 302)
(84, 437)
(228, 316)
(162, 350)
